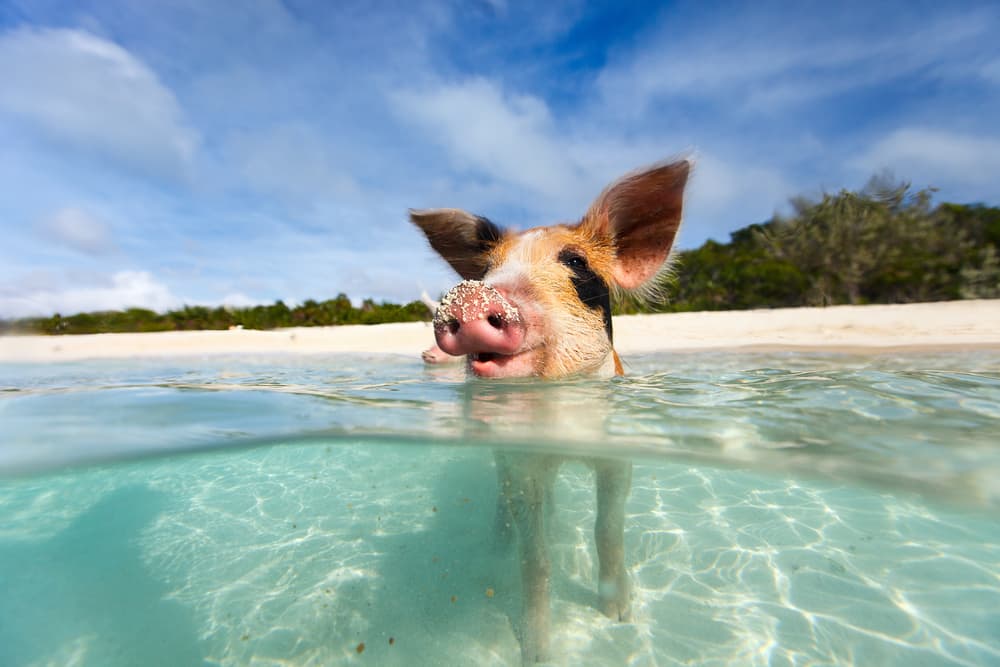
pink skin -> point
(480, 321)
(435, 355)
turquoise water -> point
(787, 509)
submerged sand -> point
(942, 325)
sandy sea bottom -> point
(379, 551)
(300, 554)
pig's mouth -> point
(477, 320)
(497, 365)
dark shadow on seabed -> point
(85, 596)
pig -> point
(538, 304)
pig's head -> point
(538, 303)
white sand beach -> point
(952, 324)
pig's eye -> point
(573, 260)
(590, 287)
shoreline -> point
(946, 325)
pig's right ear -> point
(461, 238)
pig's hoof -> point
(616, 598)
(534, 650)
(435, 355)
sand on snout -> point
(942, 325)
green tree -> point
(881, 244)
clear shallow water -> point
(786, 509)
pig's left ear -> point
(461, 238)
(641, 213)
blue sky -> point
(204, 152)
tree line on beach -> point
(338, 310)
(883, 243)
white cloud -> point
(725, 195)
(509, 150)
(125, 289)
(937, 158)
(78, 229)
(511, 138)
(991, 71)
(752, 62)
(293, 160)
(92, 94)
(239, 300)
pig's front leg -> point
(614, 481)
(503, 522)
(524, 488)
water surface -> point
(786, 509)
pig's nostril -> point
(453, 326)
(495, 320)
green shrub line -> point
(192, 318)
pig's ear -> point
(461, 238)
(642, 213)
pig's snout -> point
(474, 318)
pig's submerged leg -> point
(614, 480)
(503, 529)
(524, 487)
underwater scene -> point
(786, 508)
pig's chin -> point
(495, 365)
